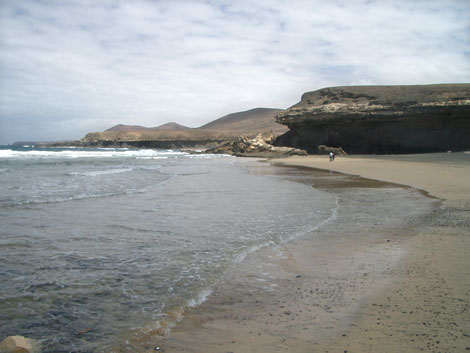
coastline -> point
(433, 173)
(386, 287)
(425, 306)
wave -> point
(45, 199)
(88, 153)
(101, 172)
(52, 199)
(126, 169)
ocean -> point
(100, 246)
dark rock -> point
(381, 119)
(322, 149)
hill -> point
(165, 127)
(249, 122)
(122, 127)
(173, 135)
(171, 127)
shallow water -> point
(99, 246)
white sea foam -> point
(153, 157)
(102, 172)
(200, 298)
(92, 153)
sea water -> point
(101, 245)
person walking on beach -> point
(332, 156)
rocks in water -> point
(19, 344)
(381, 119)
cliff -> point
(381, 119)
(166, 139)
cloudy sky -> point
(71, 67)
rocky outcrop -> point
(153, 139)
(19, 344)
(338, 151)
(381, 119)
(256, 147)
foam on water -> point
(32, 153)
(118, 243)
(102, 172)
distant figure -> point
(332, 156)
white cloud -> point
(149, 62)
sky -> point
(72, 67)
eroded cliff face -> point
(154, 138)
(381, 119)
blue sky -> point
(71, 67)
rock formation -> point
(381, 119)
(153, 139)
(338, 151)
(256, 147)
(19, 344)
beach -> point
(388, 274)
(102, 249)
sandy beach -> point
(359, 284)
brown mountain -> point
(173, 135)
(166, 127)
(122, 127)
(249, 122)
(171, 127)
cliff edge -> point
(381, 119)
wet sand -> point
(362, 283)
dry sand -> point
(362, 286)
(432, 173)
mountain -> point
(173, 135)
(249, 122)
(121, 127)
(166, 127)
(171, 127)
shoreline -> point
(425, 306)
(432, 173)
(393, 288)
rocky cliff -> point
(154, 139)
(381, 119)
